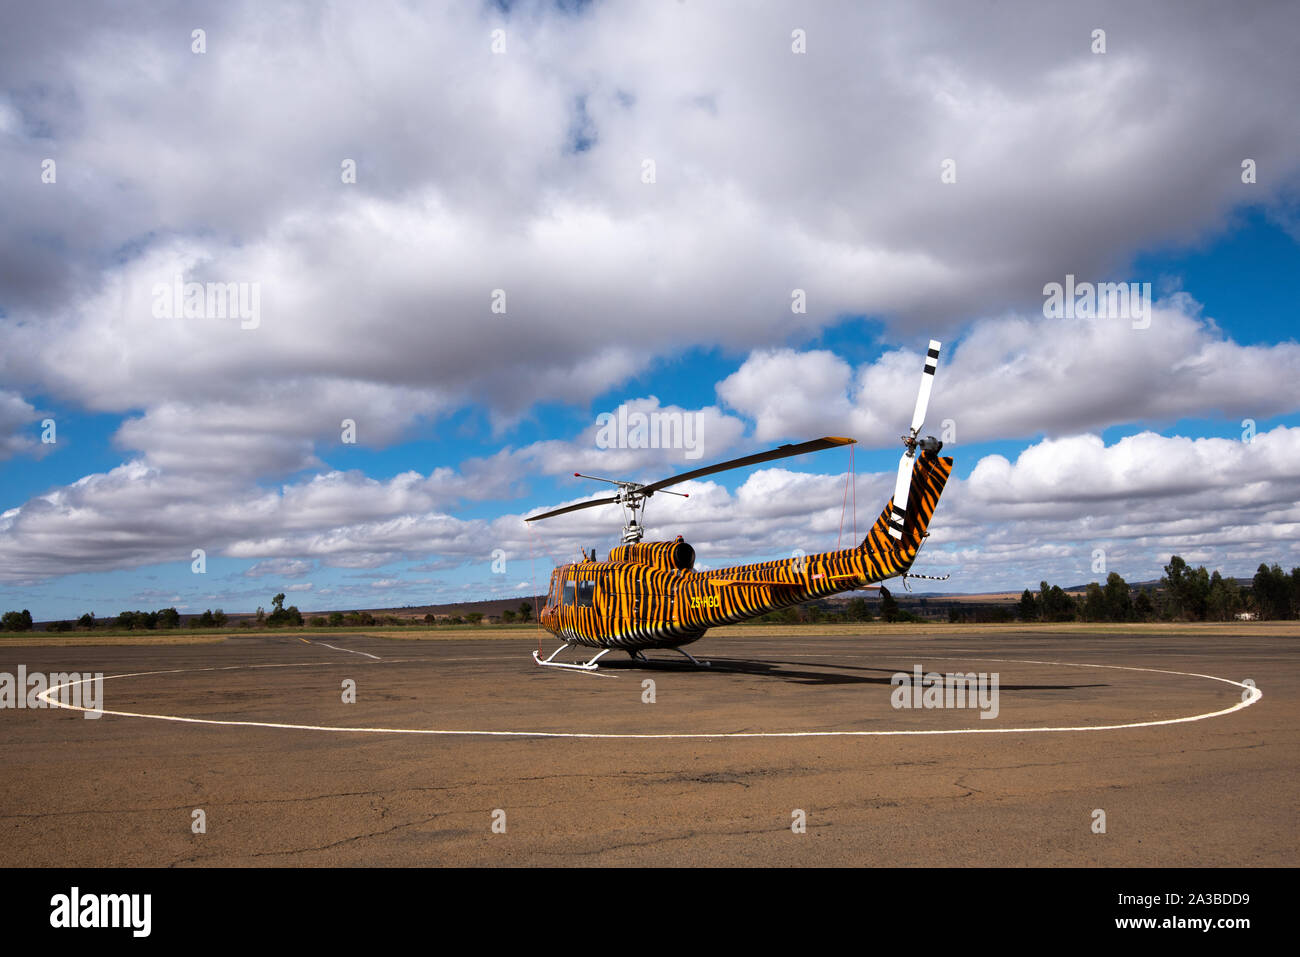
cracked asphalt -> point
(122, 791)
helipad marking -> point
(1254, 695)
(348, 650)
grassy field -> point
(1277, 629)
(70, 638)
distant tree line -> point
(16, 621)
(1183, 594)
(855, 609)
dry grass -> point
(1271, 629)
(73, 639)
(450, 634)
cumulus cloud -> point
(523, 172)
(17, 436)
(225, 167)
(1019, 377)
(280, 568)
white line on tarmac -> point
(348, 650)
(1253, 695)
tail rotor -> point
(910, 442)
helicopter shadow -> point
(796, 673)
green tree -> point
(1029, 608)
(1057, 605)
(1197, 593)
(1175, 585)
(1094, 603)
(857, 609)
(281, 615)
(16, 621)
(1273, 591)
(1143, 608)
(474, 617)
(86, 621)
(168, 618)
(525, 611)
(1223, 600)
(1119, 603)
(888, 605)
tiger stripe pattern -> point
(648, 596)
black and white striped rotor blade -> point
(898, 510)
(927, 382)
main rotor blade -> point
(927, 382)
(784, 451)
(898, 511)
(572, 508)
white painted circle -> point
(1254, 695)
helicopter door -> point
(580, 593)
(646, 602)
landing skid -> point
(697, 662)
(590, 665)
(584, 666)
(638, 656)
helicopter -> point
(648, 595)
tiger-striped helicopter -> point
(648, 595)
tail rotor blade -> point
(927, 382)
(901, 488)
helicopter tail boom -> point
(929, 476)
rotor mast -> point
(632, 498)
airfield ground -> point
(283, 783)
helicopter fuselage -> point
(648, 595)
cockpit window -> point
(580, 593)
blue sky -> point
(672, 293)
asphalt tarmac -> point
(713, 766)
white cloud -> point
(1021, 377)
(375, 297)
(280, 568)
(18, 435)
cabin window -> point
(579, 592)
